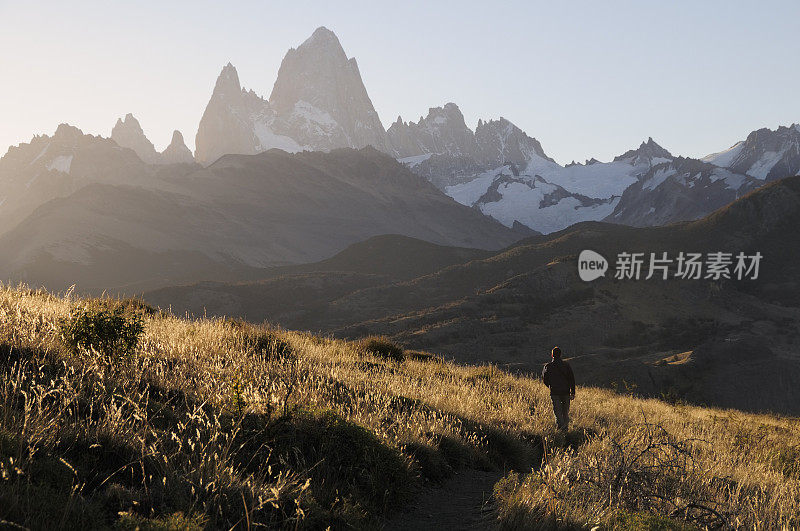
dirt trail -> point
(461, 502)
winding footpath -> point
(461, 502)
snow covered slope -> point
(543, 195)
(643, 186)
(765, 154)
(508, 196)
(680, 190)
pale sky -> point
(588, 79)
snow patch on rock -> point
(763, 165)
(724, 158)
(268, 139)
(61, 163)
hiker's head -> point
(556, 353)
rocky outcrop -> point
(233, 120)
(321, 100)
(177, 152)
(443, 131)
(128, 133)
(318, 103)
(501, 142)
(648, 152)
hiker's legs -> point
(561, 410)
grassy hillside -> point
(219, 424)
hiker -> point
(557, 375)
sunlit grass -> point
(220, 423)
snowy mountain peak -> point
(323, 44)
(229, 122)
(450, 113)
(652, 149)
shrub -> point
(266, 343)
(645, 478)
(135, 305)
(348, 465)
(104, 329)
(383, 347)
(431, 463)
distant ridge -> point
(165, 224)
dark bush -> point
(431, 463)
(108, 330)
(268, 344)
(383, 347)
(134, 305)
(347, 464)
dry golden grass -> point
(222, 424)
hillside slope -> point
(509, 307)
(219, 424)
(300, 293)
(243, 213)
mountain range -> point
(319, 102)
(93, 213)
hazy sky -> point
(585, 78)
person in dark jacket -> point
(558, 376)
